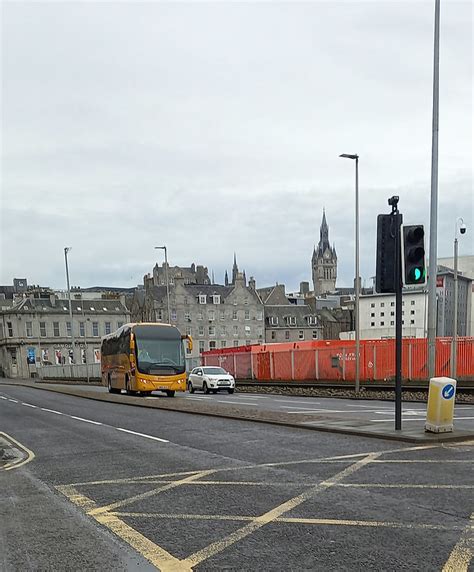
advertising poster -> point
(70, 357)
(83, 355)
(96, 356)
(45, 357)
(57, 355)
(31, 356)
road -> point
(107, 486)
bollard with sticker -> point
(440, 409)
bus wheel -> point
(128, 391)
(146, 393)
(109, 386)
(170, 393)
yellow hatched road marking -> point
(402, 486)
(461, 556)
(273, 514)
(158, 556)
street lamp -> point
(357, 280)
(461, 228)
(66, 250)
(166, 278)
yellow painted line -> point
(437, 461)
(142, 496)
(461, 556)
(403, 486)
(143, 480)
(29, 454)
(313, 521)
(159, 557)
(270, 516)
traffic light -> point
(387, 228)
(413, 255)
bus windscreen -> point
(159, 351)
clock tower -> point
(324, 262)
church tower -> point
(324, 262)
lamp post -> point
(167, 281)
(458, 227)
(357, 278)
(66, 250)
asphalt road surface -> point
(105, 486)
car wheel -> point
(230, 390)
(170, 393)
(205, 388)
(191, 388)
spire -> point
(212, 279)
(323, 235)
(226, 279)
(245, 279)
(235, 269)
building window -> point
(273, 320)
(56, 329)
(199, 315)
(392, 303)
(201, 346)
(188, 330)
(247, 331)
(372, 305)
(68, 329)
(222, 315)
(315, 335)
(202, 298)
(412, 322)
(247, 314)
(312, 320)
(211, 315)
(212, 345)
(234, 314)
(392, 323)
(372, 314)
(187, 316)
(236, 343)
(95, 329)
(223, 331)
(392, 313)
(173, 314)
(412, 312)
(382, 304)
(10, 329)
(372, 324)
(412, 302)
(119, 325)
(260, 315)
(216, 299)
(212, 331)
(291, 320)
(82, 331)
(223, 343)
(301, 335)
(201, 331)
(382, 323)
(107, 328)
(236, 331)
(43, 329)
(382, 314)
(287, 335)
(403, 322)
(29, 329)
(248, 343)
(273, 335)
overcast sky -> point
(216, 127)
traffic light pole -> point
(398, 219)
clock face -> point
(326, 255)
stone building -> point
(35, 328)
(324, 262)
(191, 275)
(215, 316)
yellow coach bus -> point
(141, 358)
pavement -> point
(368, 418)
(114, 487)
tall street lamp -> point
(461, 228)
(167, 281)
(66, 250)
(357, 278)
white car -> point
(210, 378)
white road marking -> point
(13, 400)
(247, 396)
(51, 411)
(86, 420)
(290, 400)
(235, 402)
(141, 435)
(463, 417)
(1, 397)
(29, 405)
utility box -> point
(440, 410)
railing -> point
(334, 360)
(79, 371)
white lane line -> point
(51, 411)
(235, 402)
(86, 420)
(295, 401)
(463, 418)
(13, 400)
(1, 397)
(247, 396)
(29, 405)
(392, 420)
(142, 435)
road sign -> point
(448, 391)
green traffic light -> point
(418, 274)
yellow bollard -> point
(440, 409)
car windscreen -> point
(159, 350)
(214, 371)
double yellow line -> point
(26, 454)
